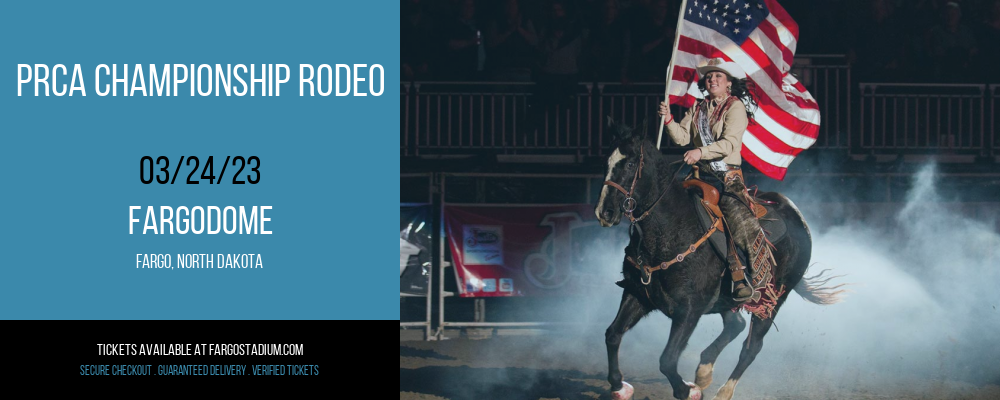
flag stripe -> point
(782, 16)
(797, 138)
(763, 62)
(787, 39)
(786, 120)
(695, 46)
(770, 72)
(683, 101)
(775, 144)
(684, 74)
(773, 42)
(794, 82)
(765, 154)
(767, 169)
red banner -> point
(532, 251)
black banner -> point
(110, 353)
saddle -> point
(707, 195)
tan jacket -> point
(728, 133)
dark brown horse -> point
(694, 286)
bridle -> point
(629, 206)
(630, 203)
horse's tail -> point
(813, 291)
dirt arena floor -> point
(916, 324)
(562, 365)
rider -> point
(715, 126)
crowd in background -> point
(561, 42)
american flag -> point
(761, 37)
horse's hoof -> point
(625, 393)
(695, 391)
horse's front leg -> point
(630, 312)
(684, 322)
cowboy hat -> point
(717, 64)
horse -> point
(667, 226)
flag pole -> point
(670, 69)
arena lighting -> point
(198, 220)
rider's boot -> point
(741, 290)
(746, 233)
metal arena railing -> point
(925, 117)
(827, 77)
(459, 116)
(441, 118)
(527, 118)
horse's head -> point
(624, 184)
